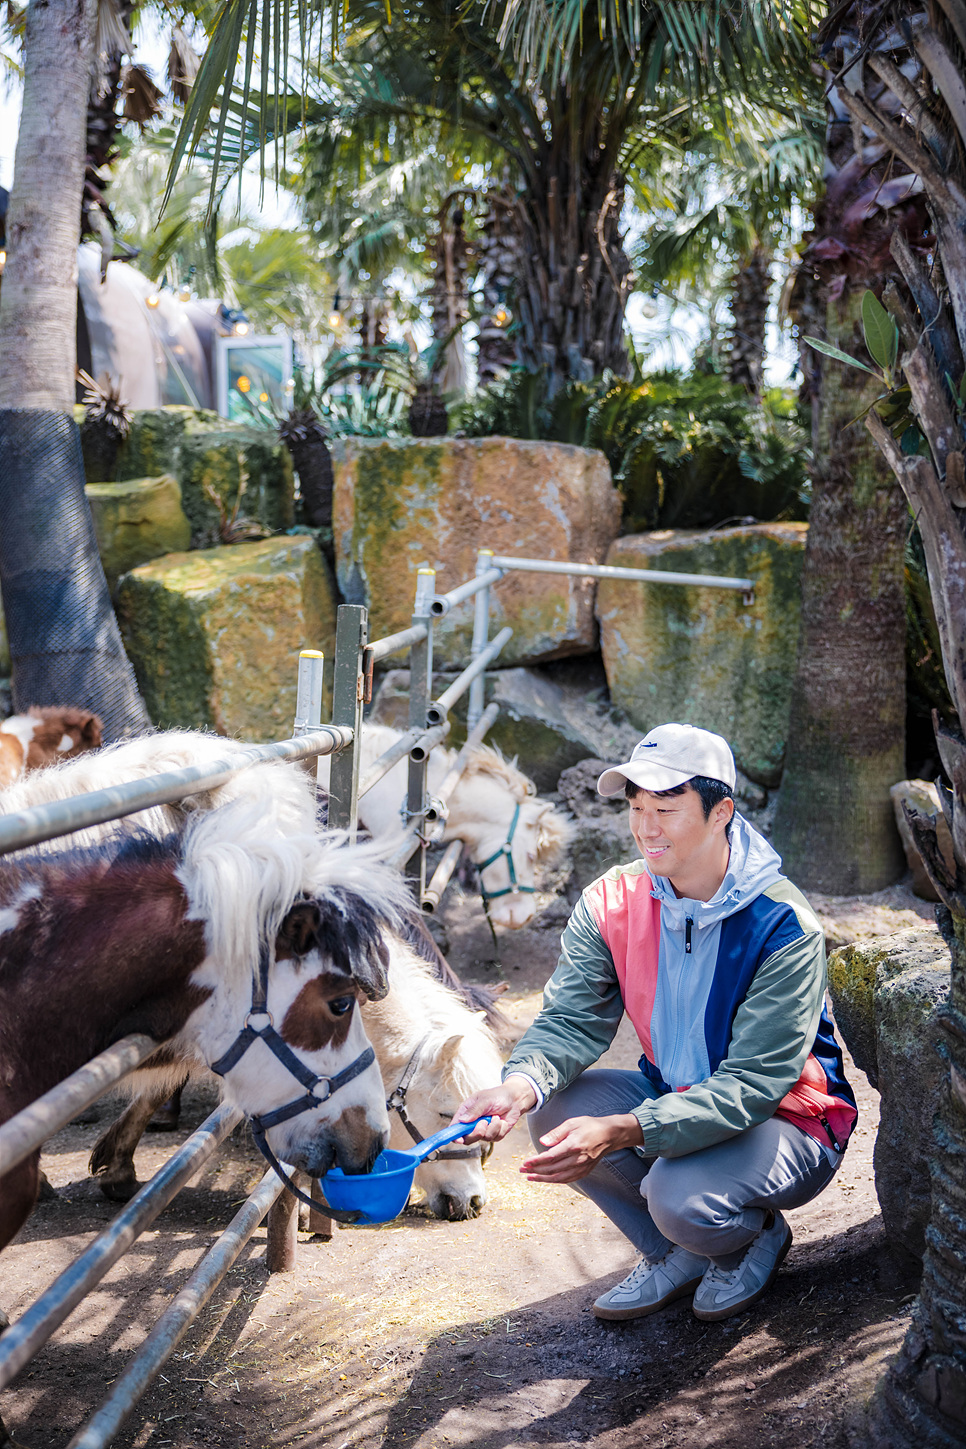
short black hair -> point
(712, 792)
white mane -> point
(290, 799)
(242, 876)
(421, 1011)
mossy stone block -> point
(214, 635)
(699, 655)
(245, 472)
(400, 504)
(136, 521)
(212, 460)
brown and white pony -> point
(507, 830)
(43, 736)
(168, 937)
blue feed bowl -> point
(379, 1195)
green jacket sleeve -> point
(773, 1033)
(582, 1009)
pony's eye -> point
(341, 1005)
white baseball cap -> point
(671, 755)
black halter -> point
(317, 1089)
(396, 1102)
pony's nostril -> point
(476, 1205)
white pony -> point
(433, 1046)
(494, 810)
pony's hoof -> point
(115, 1189)
(46, 1192)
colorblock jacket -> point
(727, 997)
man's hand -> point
(577, 1145)
(504, 1105)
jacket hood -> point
(753, 866)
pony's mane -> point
(489, 760)
(242, 874)
(421, 1009)
(290, 800)
(555, 833)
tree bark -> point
(499, 252)
(575, 275)
(749, 309)
(38, 300)
(834, 824)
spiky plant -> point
(107, 422)
(305, 437)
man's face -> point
(671, 832)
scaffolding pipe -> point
(609, 571)
(63, 817)
(30, 1128)
(393, 643)
(44, 1316)
(177, 1318)
(442, 603)
(438, 711)
(453, 775)
(409, 743)
(433, 893)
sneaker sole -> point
(714, 1315)
(617, 1315)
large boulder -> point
(923, 797)
(700, 655)
(137, 521)
(214, 636)
(886, 994)
(602, 835)
(226, 472)
(402, 503)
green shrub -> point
(686, 450)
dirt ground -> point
(428, 1334)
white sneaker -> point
(650, 1285)
(723, 1292)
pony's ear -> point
(299, 931)
(446, 1056)
(554, 834)
(92, 734)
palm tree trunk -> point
(916, 111)
(834, 824)
(38, 300)
(749, 308)
(499, 251)
(574, 272)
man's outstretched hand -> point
(575, 1147)
(504, 1105)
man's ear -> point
(723, 814)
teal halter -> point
(514, 888)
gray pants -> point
(712, 1202)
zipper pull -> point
(688, 923)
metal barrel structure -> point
(428, 727)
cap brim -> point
(643, 774)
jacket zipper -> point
(688, 923)
(831, 1135)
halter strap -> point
(513, 889)
(259, 1026)
(396, 1102)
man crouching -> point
(740, 1107)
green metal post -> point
(351, 638)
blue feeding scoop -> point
(380, 1195)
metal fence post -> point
(481, 629)
(420, 694)
(351, 638)
(308, 701)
